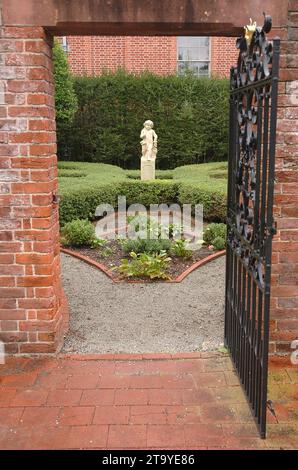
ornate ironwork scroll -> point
(250, 225)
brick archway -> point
(31, 307)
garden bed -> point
(144, 250)
(178, 267)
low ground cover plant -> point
(156, 237)
(179, 248)
(152, 266)
(145, 245)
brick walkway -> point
(141, 401)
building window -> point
(64, 44)
(193, 55)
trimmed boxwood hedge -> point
(214, 202)
(204, 184)
(194, 184)
(159, 174)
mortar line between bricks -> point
(136, 358)
(129, 413)
(22, 414)
(115, 357)
(93, 414)
(146, 436)
(107, 437)
(59, 412)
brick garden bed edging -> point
(108, 273)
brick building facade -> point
(91, 55)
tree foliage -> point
(65, 97)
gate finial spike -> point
(249, 31)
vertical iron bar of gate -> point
(271, 229)
(248, 268)
(259, 304)
(229, 275)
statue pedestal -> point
(147, 169)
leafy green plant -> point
(139, 222)
(106, 252)
(98, 243)
(219, 243)
(78, 232)
(175, 230)
(66, 101)
(144, 265)
(145, 245)
(214, 231)
(65, 97)
(179, 248)
(148, 226)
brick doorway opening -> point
(31, 298)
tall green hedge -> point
(190, 117)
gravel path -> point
(139, 318)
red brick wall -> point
(284, 298)
(90, 55)
(30, 289)
(224, 54)
(156, 54)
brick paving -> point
(154, 401)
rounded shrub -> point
(219, 243)
(215, 235)
(79, 232)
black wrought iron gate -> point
(250, 224)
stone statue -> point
(149, 151)
(149, 141)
